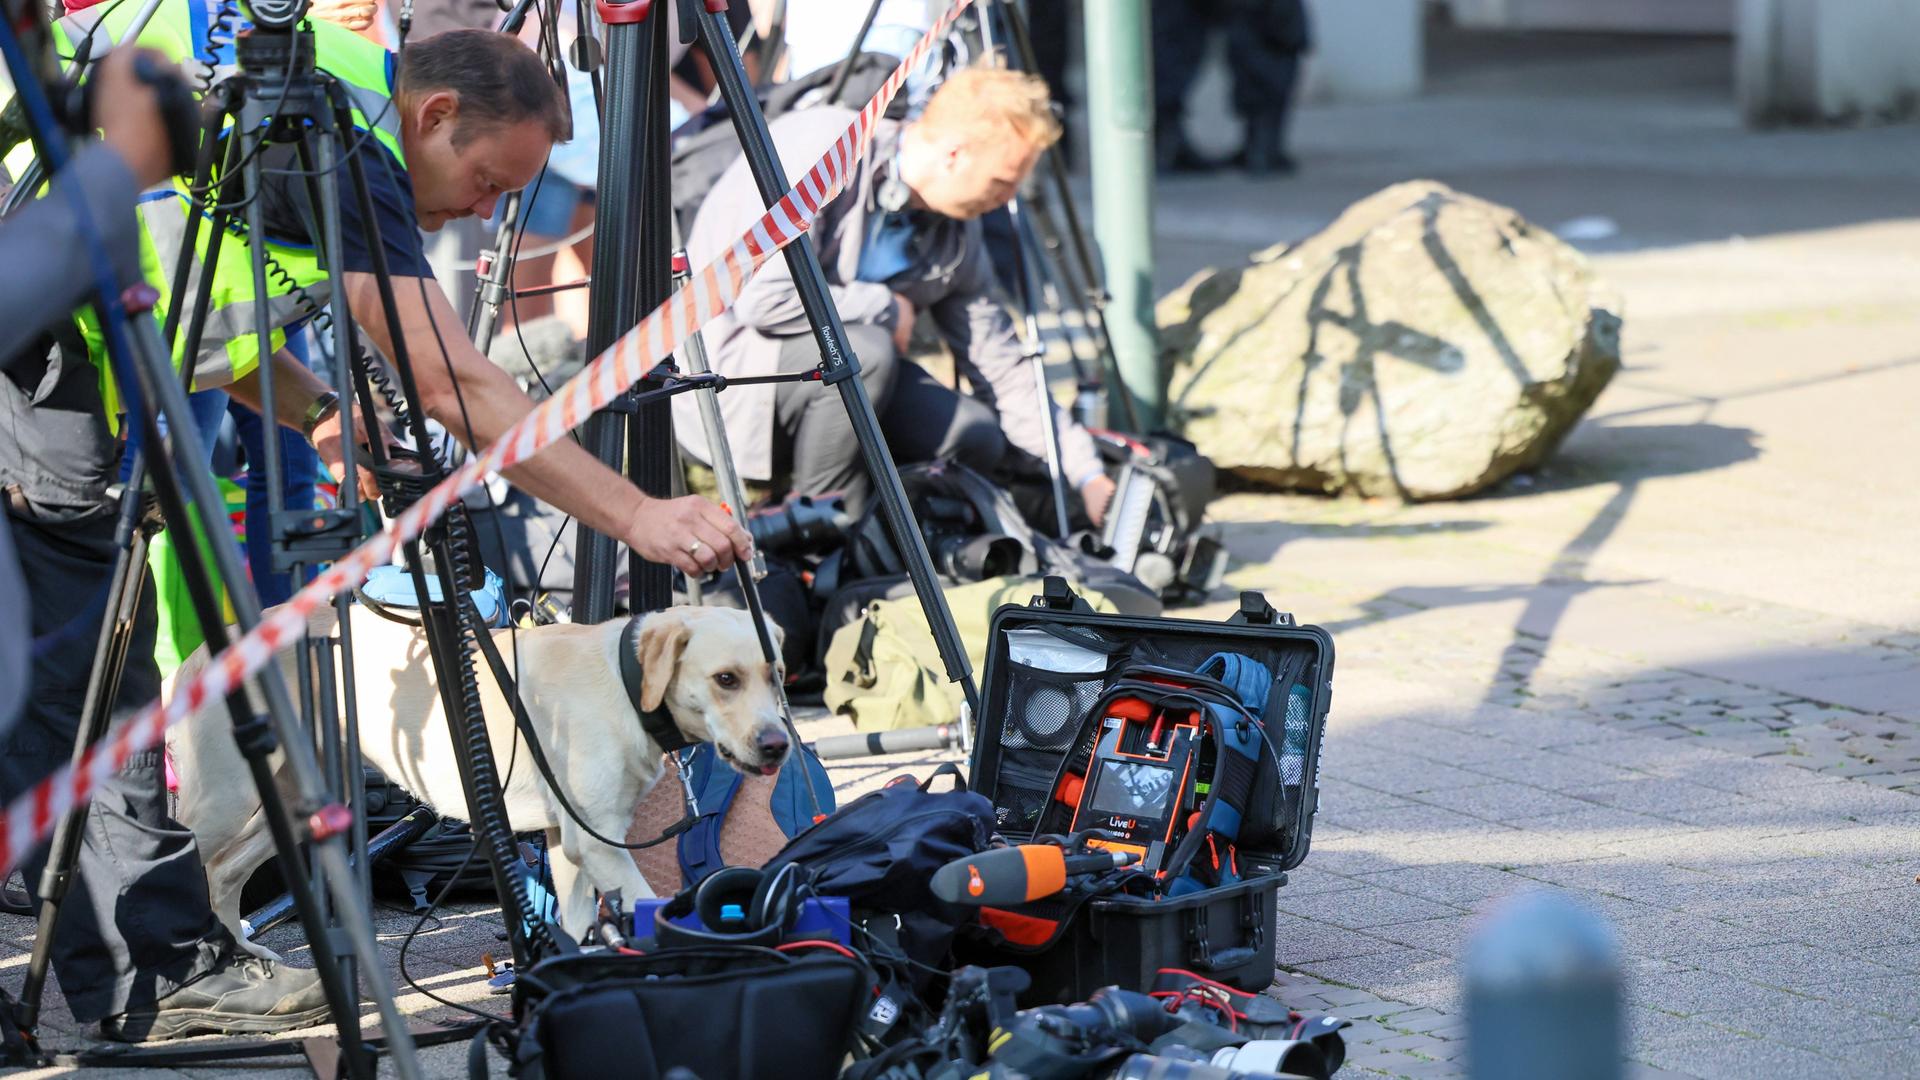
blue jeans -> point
(207, 407)
(299, 466)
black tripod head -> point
(275, 15)
(277, 66)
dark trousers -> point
(136, 923)
(298, 467)
(1265, 39)
(813, 438)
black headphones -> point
(735, 905)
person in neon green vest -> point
(461, 119)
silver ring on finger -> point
(694, 548)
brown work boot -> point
(246, 995)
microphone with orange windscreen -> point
(1015, 875)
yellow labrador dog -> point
(703, 664)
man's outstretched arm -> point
(477, 402)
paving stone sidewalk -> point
(1765, 912)
(1676, 675)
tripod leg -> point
(726, 476)
(448, 644)
(149, 369)
(837, 361)
(125, 588)
(720, 452)
(1088, 265)
(845, 72)
(352, 778)
(210, 146)
(355, 786)
(627, 283)
(314, 663)
(315, 912)
(1050, 431)
(140, 361)
(1066, 299)
(493, 275)
(1030, 299)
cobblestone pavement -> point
(1675, 674)
(1745, 708)
(1765, 911)
(1744, 816)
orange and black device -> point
(1141, 780)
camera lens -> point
(1134, 1013)
(1270, 1056)
(800, 526)
(976, 558)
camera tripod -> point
(1029, 258)
(634, 201)
(452, 626)
(139, 355)
(312, 112)
(493, 269)
(1056, 254)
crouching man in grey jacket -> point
(901, 243)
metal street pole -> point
(1120, 106)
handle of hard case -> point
(947, 768)
(1223, 960)
(1056, 595)
(1255, 611)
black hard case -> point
(1224, 933)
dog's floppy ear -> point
(663, 637)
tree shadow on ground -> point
(1598, 452)
(1736, 886)
(1624, 456)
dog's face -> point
(705, 664)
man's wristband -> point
(323, 407)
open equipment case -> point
(1048, 666)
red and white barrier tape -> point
(31, 818)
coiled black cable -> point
(493, 824)
(486, 790)
(491, 827)
(444, 456)
(220, 33)
(401, 488)
(311, 309)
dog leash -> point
(690, 808)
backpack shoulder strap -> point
(803, 793)
(802, 784)
(1249, 679)
(699, 846)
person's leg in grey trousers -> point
(136, 923)
(921, 419)
(813, 438)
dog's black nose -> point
(772, 743)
